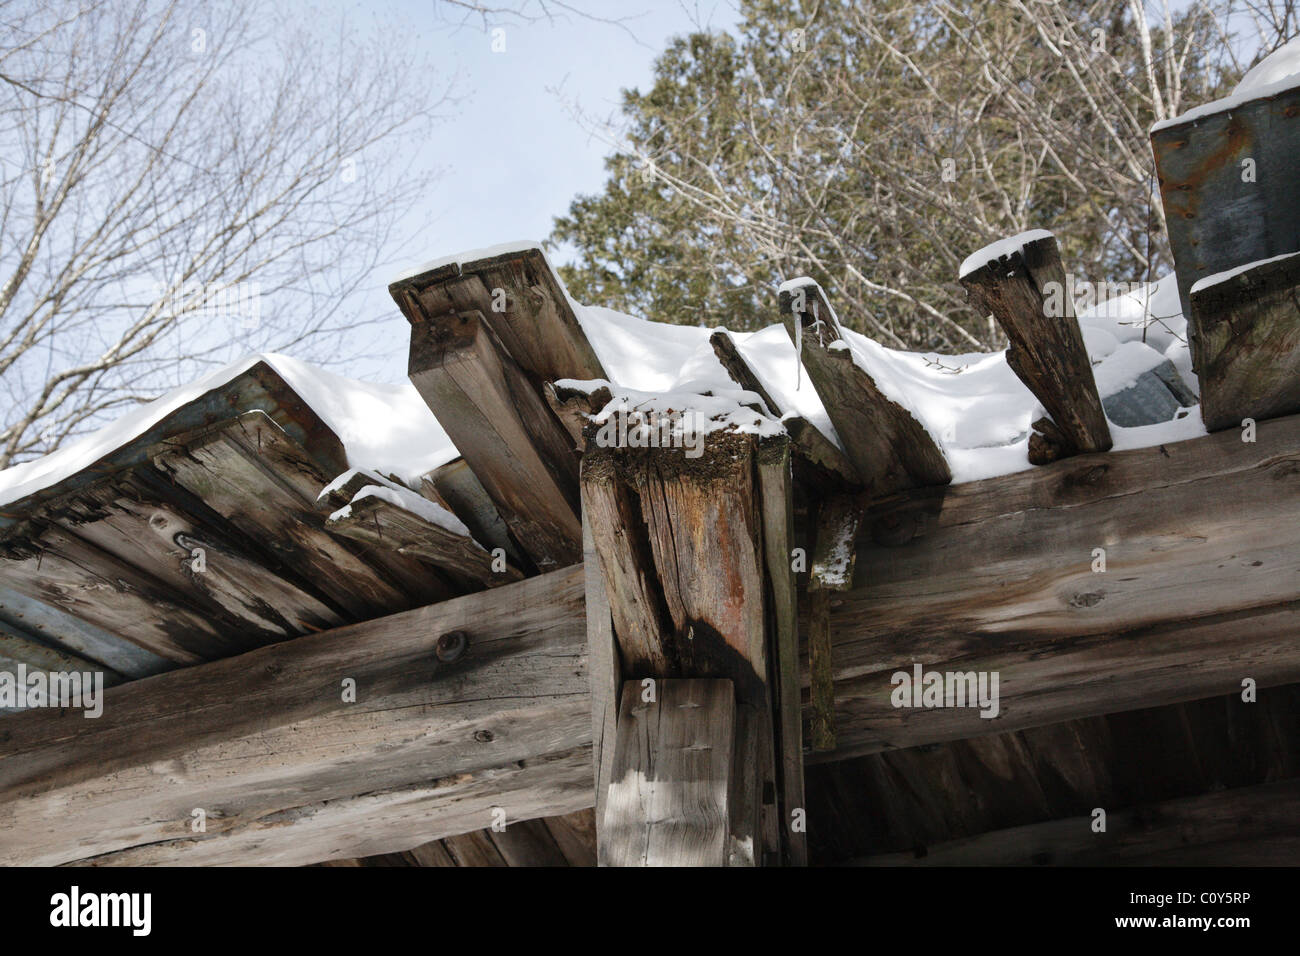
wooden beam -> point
(604, 667)
(890, 450)
(456, 487)
(289, 772)
(670, 797)
(777, 494)
(1245, 338)
(680, 542)
(1246, 826)
(1046, 351)
(504, 429)
(385, 525)
(1201, 588)
(249, 471)
(520, 298)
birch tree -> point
(181, 183)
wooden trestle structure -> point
(680, 661)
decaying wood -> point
(505, 431)
(1201, 588)
(380, 523)
(574, 406)
(1245, 339)
(145, 522)
(261, 482)
(775, 488)
(1046, 351)
(455, 487)
(1246, 826)
(833, 558)
(19, 648)
(289, 772)
(890, 450)
(816, 453)
(668, 802)
(521, 299)
(612, 512)
(603, 666)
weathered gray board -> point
(1215, 219)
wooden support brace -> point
(1046, 351)
(504, 429)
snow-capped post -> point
(1245, 337)
(889, 447)
(1021, 282)
(685, 546)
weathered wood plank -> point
(461, 493)
(1245, 338)
(816, 452)
(522, 300)
(1201, 588)
(259, 388)
(668, 804)
(146, 523)
(256, 478)
(59, 569)
(1046, 351)
(777, 496)
(504, 429)
(382, 524)
(289, 772)
(603, 666)
(1247, 826)
(890, 450)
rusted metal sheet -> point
(1231, 187)
(258, 388)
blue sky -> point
(513, 152)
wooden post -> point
(1245, 338)
(890, 450)
(680, 542)
(1046, 351)
(776, 488)
(671, 796)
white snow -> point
(384, 428)
(1281, 65)
(996, 250)
(1206, 281)
(1122, 368)
(1276, 73)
